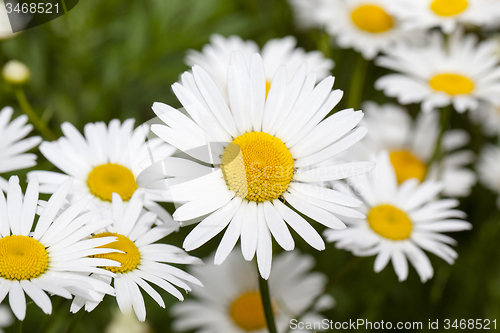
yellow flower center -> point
(390, 222)
(257, 166)
(22, 258)
(131, 257)
(452, 84)
(110, 178)
(449, 7)
(268, 87)
(372, 18)
(247, 312)
(407, 166)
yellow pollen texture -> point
(22, 258)
(390, 222)
(129, 260)
(452, 84)
(257, 166)
(110, 178)
(449, 7)
(247, 312)
(407, 166)
(372, 18)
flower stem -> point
(18, 326)
(357, 83)
(266, 303)
(74, 322)
(445, 122)
(40, 125)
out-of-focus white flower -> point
(460, 71)
(488, 115)
(126, 322)
(6, 317)
(16, 72)
(401, 221)
(488, 169)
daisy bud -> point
(16, 72)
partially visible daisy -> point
(488, 169)
(14, 144)
(305, 12)
(214, 58)
(447, 14)
(143, 261)
(365, 25)
(411, 145)
(6, 318)
(106, 160)
(231, 302)
(488, 115)
(265, 160)
(437, 73)
(52, 257)
(401, 221)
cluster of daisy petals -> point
(257, 151)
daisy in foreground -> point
(461, 72)
(411, 145)
(264, 152)
(13, 144)
(231, 302)
(142, 260)
(447, 14)
(106, 160)
(53, 257)
(365, 25)
(401, 221)
(488, 169)
(214, 58)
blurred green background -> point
(113, 59)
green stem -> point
(266, 303)
(41, 126)
(444, 123)
(18, 326)
(64, 6)
(74, 322)
(357, 83)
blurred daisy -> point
(231, 302)
(106, 160)
(447, 14)
(214, 58)
(6, 318)
(488, 115)
(52, 257)
(264, 152)
(411, 145)
(142, 260)
(488, 169)
(401, 221)
(460, 72)
(365, 25)
(14, 144)
(305, 12)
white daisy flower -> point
(264, 152)
(214, 58)
(106, 160)
(365, 25)
(6, 318)
(447, 14)
(411, 145)
(14, 144)
(488, 169)
(401, 221)
(488, 115)
(460, 72)
(231, 302)
(53, 257)
(142, 260)
(305, 13)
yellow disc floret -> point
(247, 312)
(372, 18)
(129, 260)
(110, 178)
(268, 87)
(390, 222)
(407, 166)
(449, 7)
(257, 166)
(22, 258)
(452, 84)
